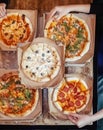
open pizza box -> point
(38, 84)
(31, 16)
(89, 20)
(57, 117)
(31, 116)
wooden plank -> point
(43, 5)
(23, 4)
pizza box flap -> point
(52, 82)
(32, 16)
(90, 20)
(57, 114)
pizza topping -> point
(70, 104)
(71, 95)
(65, 89)
(78, 103)
(75, 89)
(62, 100)
(81, 97)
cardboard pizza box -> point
(41, 84)
(31, 117)
(56, 116)
(90, 21)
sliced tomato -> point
(70, 85)
(78, 93)
(75, 89)
(62, 100)
(78, 103)
(75, 96)
(66, 89)
(81, 97)
(70, 103)
(61, 94)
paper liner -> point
(32, 84)
(23, 119)
(58, 114)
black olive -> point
(26, 66)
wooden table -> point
(43, 5)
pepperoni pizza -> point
(72, 95)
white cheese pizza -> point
(40, 62)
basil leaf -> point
(67, 28)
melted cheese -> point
(41, 62)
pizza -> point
(71, 95)
(72, 32)
(40, 62)
(15, 99)
(15, 28)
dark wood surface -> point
(43, 5)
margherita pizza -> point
(15, 99)
(15, 28)
(73, 32)
(40, 62)
(72, 95)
